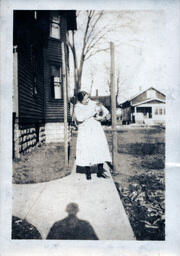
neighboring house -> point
(40, 56)
(147, 107)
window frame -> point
(52, 82)
(160, 111)
(58, 23)
(156, 112)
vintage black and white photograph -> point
(89, 121)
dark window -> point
(56, 82)
(55, 26)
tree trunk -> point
(80, 69)
(75, 63)
(80, 74)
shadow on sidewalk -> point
(72, 228)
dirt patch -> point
(21, 229)
(143, 200)
(141, 180)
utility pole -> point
(113, 109)
(65, 107)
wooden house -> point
(147, 107)
(40, 57)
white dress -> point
(92, 147)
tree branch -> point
(95, 52)
(97, 38)
(94, 25)
(94, 43)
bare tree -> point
(92, 37)
(96, 32)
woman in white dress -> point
(92, 147)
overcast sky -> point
(145, 46)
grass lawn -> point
(43, 164)
(141, 179)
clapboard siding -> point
(55, 110)
(54, 50)
(31, 107)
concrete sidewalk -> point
(98, 200)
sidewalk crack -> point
(35, 201)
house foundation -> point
(25, 138)
(54, 132)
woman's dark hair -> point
(81, 95)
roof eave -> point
(143, 102)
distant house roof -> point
(139, 93)
(148, 101)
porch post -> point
(15, 81)
(65, 107)
(16, 132)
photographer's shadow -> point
(72, 228)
